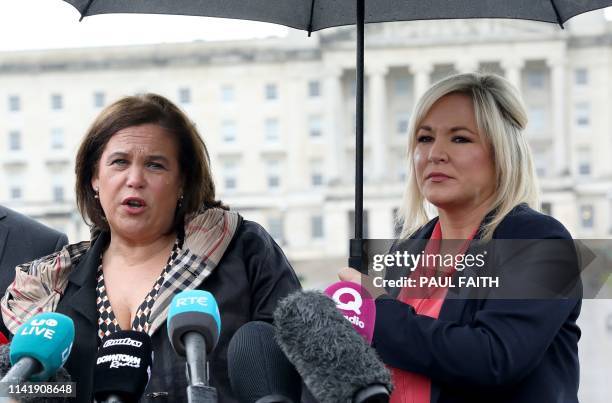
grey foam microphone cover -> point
(334, 361)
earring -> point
(180, 202)
(97, 195)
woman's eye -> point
(461, 139)
(424, 139)
(156, 165)
(119, 161)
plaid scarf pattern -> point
(39, 285)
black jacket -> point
(249, 280)
(22, 240)
(493, 350)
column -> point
(513, 68)
(335, 153)
(421, 78)
(376, 109)
(559, 129)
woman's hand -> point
(354, 276)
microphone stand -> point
(198, 390)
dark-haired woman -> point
(143, 183)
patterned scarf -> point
(39, 285)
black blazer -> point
(22, 240)
(251, 278)
(492, 350)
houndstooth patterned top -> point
(107, 322)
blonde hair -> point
(501, 119)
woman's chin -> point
(132, 230)
(441, 201)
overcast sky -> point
(46, 24)
(42, 24)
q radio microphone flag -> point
(40, 347)
(194, 325)
(123, 367)
(334, 361)
(356, 304)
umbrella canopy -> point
(314, 15)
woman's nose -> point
(135, 177)
(437, 152)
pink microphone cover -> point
(357, 306)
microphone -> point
(194, 325)
(258, 370)
(356, 304)
(333, 360)
(5, 365)
(123, 367)
(40, 347)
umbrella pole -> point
(356, 244)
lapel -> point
(80, 295)
(4, 230)
(455, 303)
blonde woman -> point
(469, 161)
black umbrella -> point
(314, 15)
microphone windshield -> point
(5, 365)
(193, 311)
(258, 368)
(48, 338)
(333, 360)
(123, 365)
(356, 304)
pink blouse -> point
(411, 387)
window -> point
(316, 227)
(314, 89)
(581, 76)
(99, 99)
(275, 227)
(541, 161)
(587, 213)
(227, 93)
(584, 162)
(273, 169)
(401, 86)
(14, 103)
(271, 92)
(228, 131)
(316, 172)
(536, 79)
(583, 113)
(14, 140)
(57, 102)
(230, 175)
(315, 126)
(57, 138)
(271, 128)
(15, 192)
(537, 118)
(58, 193)
(402, 120)
(441, 71)
(184, 96)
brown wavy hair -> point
(194, 161)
